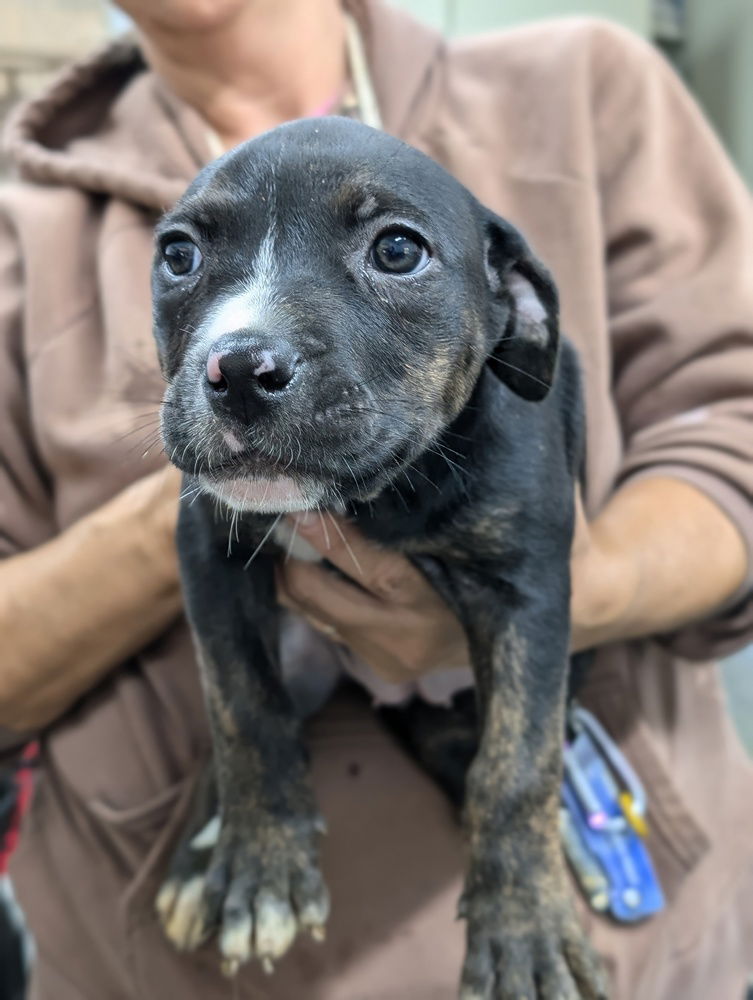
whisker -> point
(408, 478)
(150, 425)
(460, 437)
(233, 516)
(521, 371)
(147, 441)
(266, 490)
(456, 475)
(424, 476)
(400, 496)
(452, 451)
(291, 543)
(324, 528)
(453, 465)
(258, 548)
(345, 543)
(352, 474)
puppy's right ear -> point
(525, 312)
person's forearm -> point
(662, 555)
(76, 606)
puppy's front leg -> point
(523, 938)
(263, 882)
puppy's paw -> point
(262, 888)
(180, 901)
(526, 950)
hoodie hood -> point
(107, 125)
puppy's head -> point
(325, 298)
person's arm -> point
(678, 233)
(660, 555)
(76, 606)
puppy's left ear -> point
(525, 312)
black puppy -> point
(343, 326)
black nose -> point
(242, 377)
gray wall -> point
(461, 17)
(719, 63)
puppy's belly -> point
(310, 664)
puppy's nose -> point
(241, 377)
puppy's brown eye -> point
(399, 252)
(182, 257)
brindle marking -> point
(437, 409)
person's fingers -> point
(286, 601)
(319, 593)
(338, 619)
(382, 662)
(383, 573)
(329, 630)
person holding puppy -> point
(580, 135)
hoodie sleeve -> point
(678, 225)
(25, 508)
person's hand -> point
(389, 614)
(660, 554)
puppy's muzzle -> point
(245, 374)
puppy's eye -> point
(181, 257)
(399, 252)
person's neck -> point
(268, 64)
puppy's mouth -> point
(251, 483)
(286, 471)
(267, 495)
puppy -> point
(343, 326)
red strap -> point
(24, 784)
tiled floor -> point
(738, 675)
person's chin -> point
(181, 15)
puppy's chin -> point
(272, 495)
